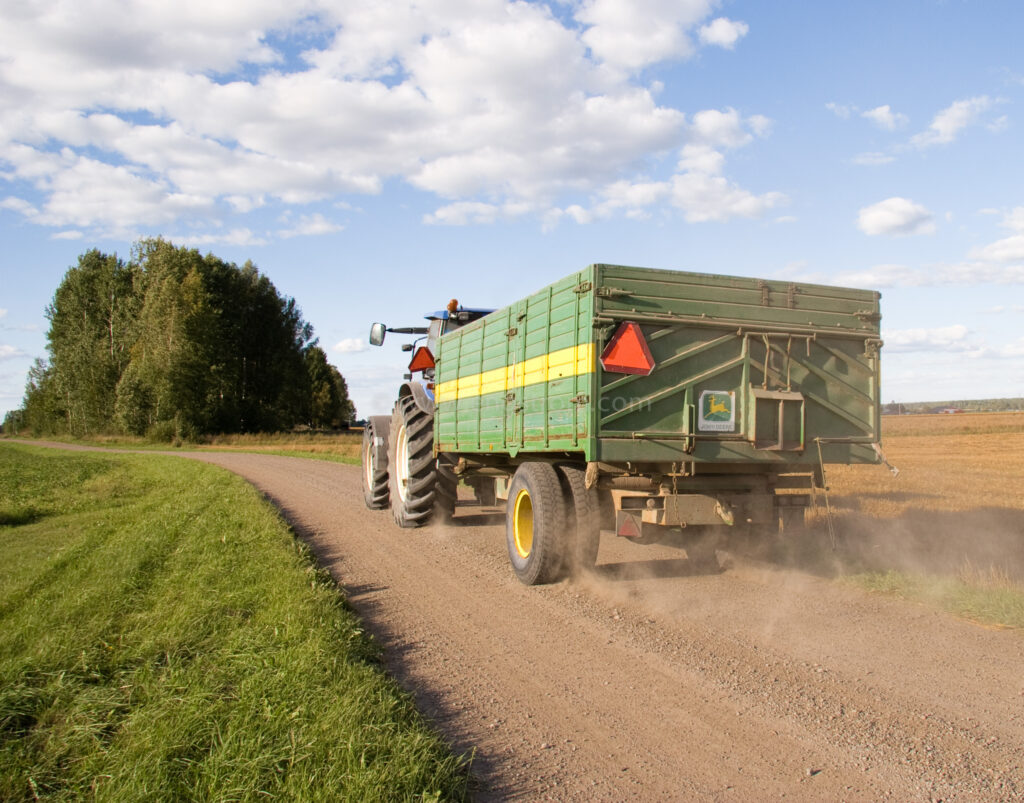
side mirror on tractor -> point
(377, 332)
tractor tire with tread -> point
(375, 462)
(419, 490)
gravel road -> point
(649, 682)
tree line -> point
(174, 344)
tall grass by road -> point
(163, 636)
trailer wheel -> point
(535, 524)
(418, 489)
(375, 462)
(584, 521)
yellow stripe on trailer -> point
(571, 361)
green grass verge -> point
(989, 600)
(163, 636)
(347, 451)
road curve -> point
(648, 682)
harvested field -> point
(957, 506)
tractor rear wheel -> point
(375, 462)
(535, 524)
(419, 489)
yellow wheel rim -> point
(522, 524)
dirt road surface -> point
(649, 682)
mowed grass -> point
(164, 637)
(949, 531)
(336, 447)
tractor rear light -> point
(422, 360)
(627, 352)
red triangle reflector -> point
(628, 528)
(627, 351)
(421, 360)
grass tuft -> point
(978, 600)
(163, 636)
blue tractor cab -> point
(442, 322)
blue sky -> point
(375, 160)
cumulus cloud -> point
(896, 217)
(880, 276)
(840, 110)
(239, 237)
(1007, 249)
(949, 122)
(697, 189)
(310, 226)
(885, 118)
(945, 338)
(723, 32)
(202, 113)
(351, 345)
(635, 33)
(967, 273)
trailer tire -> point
(419, 491)
(375, 462)
(535, 524)
(584, 520)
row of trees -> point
(174, 343)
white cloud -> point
(197, 117)
(885, 118)
(723, 32)
(896, 217)
(697, 188)
(1014, 219)
(713, 198)
(1009, 249)
(883, 276)
(351, 345)
(635, 33)
(10, 352)
(873, 158)
(946, 338)
(310, 225)
(949, 122)
(464, 213)
(840, 110)
(1013, 349)
(239, 237)
(970, 273)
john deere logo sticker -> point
(717, 411)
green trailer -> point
(663, 406)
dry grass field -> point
(952, 521)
